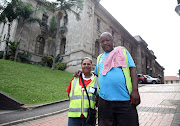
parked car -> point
(142, 79)
(152, 80)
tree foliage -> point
(53, 27)
(24, 13)
(62, 6)
(10, 14)
(12, 46)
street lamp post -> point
(177, 9)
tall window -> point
(147, 66)
(40, 45)
(113, 33)
(123, 43)
(44, 19)
(97, 48)
(4, 37)
(63, 46)
(98, 24)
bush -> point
(1, 54)
(58, 58)
(11, 58)
(47, 61)
(60, 66)
(24, 57)
(12, 46)
(38, 63)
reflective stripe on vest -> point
(80, 96)
(77, 109)
(79, 103)
(125, 70)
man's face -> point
(106, 43)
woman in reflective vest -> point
(79, 103)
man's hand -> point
(135, 98)
(77, 73)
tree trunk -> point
(57, 38)
(19, 38)
(2, 32)
(8, 36)
(16, 53)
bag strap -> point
(85, 90)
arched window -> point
(40, 45)
(97, 48)
(63, 46)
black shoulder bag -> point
(91, 117)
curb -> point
(26, 107)
(36, 117)
(33, 118)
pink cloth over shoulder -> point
(116, 58)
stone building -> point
(82, 39)
(147, 60)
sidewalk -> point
(160, 106)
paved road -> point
(11, 117)
(160, 106)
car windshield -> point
(147, 76)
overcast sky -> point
(156, 22)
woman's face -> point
(86, 66)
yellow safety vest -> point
(79, 103)
(125, 70)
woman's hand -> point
(77, 73)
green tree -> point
(12, 48)
(17, 10)
(25, 15)
(3, 5)
(52, 27)
(2, 20)
(2, 17)
(52, 31)
(62, 7)
(8, 16)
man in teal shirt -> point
(116, 107)
(118, 86)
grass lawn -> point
(32, 84)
